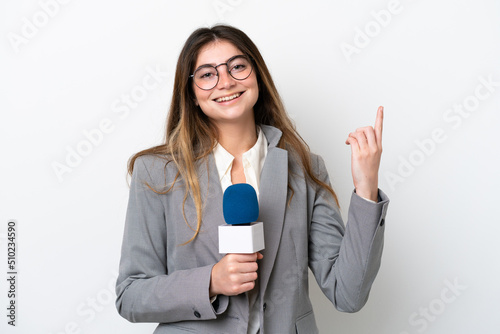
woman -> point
(227, 125)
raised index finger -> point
(378, 125)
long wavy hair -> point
(190, 136)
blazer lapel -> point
(272, 202)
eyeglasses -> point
(206, 77)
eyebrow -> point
(214, 64)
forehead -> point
(216, 52)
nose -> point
(225, 79)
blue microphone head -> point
(240, 204)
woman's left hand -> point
(366, 150)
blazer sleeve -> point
(345, 261)
(146, 292)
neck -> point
(237, 138)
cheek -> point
(255, 87)
(254, 83)
(200, 96)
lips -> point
(228, 97)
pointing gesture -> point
(366, 150)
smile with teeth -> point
(228, 98)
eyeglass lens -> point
(206, 77)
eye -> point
(206, 73)
(238, 67)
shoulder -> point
(157, 169)
(317, 163)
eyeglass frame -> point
(227, 68)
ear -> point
(196, 102)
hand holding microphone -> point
(234, 274)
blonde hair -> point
(190, 136)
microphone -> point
(240, 204)
(241, 234)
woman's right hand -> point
(234, 274)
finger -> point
(248, 277)
(242, 258)
(248, 267)
(247, 286)
(242, 278)
(361, 138)
(238, 288)
(370, 136)
(379, 125)
(350, 135)
(354, 144)
(259, 256)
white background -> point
(69, 73)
